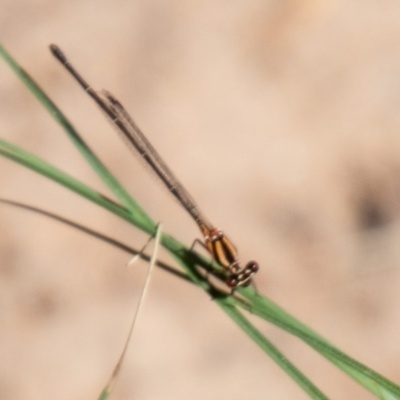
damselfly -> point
(218, 245)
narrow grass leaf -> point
(105, 175)
(273, 352)
(371, 380)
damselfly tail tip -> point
(56, 51)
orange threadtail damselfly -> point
(218, 245)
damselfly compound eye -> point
(232, 282)
(252, 266)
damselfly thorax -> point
(225, 254)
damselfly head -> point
(243, 277)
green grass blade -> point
(272, 351)
(368, 378)
(112, 183)
(32, 162)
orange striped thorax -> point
(225, 254)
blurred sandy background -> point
(281, 117)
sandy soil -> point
(282, 118)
